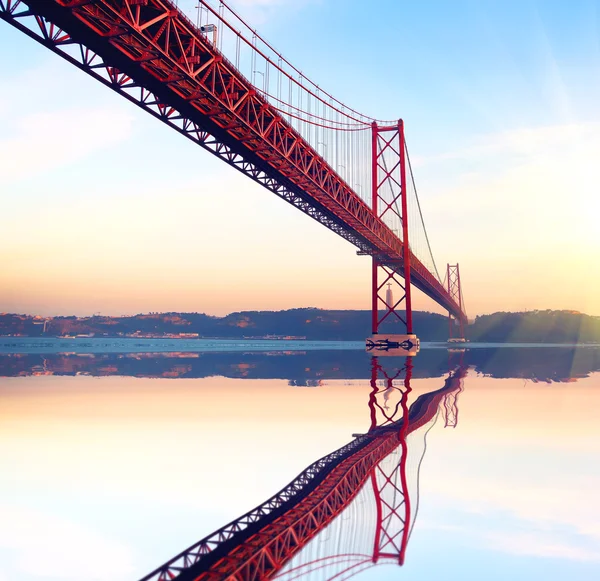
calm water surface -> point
(112, 463)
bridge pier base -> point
(387, 344)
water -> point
(113, 462)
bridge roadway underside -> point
(380, 441)
(224, 145)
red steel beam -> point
(390, 177)
(455, 291)
(153, 45)
(407, 253)
(392, 516)
(262, 552)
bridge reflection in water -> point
(352, 509)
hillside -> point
(300, 323)
(536, 327)
(314, 324)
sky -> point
(114, 475)
(106, 210)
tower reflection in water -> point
(353, 509)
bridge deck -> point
(269, 535)
(186, 82)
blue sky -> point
(106, 210)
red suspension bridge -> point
(352, 509)
(220, 84)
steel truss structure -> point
(257, 545)
(153, 55)
(390, 485)
(389, 175)
(455, 291)
(243, 551)
(451, 407)
(150, 53)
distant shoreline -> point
(527, 328)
